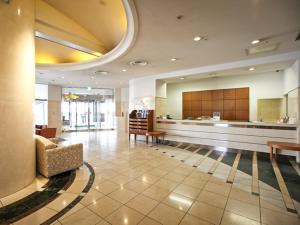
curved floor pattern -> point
(52, 190)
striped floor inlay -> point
(234, 168)
(255, 183)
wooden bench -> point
(274, 146)
(155, 134)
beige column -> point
(17, 74)
(54, 108)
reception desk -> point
(238, 135)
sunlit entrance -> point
(84, 109)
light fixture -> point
(124, 70)
(197, 38)
(251, 69)
(173, 59)
(101, 72)
(92, 77)
(181, 78)
(138, 63)
(254, 42)
(19, 11)
(62, 77)
(89, 88)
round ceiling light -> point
(251, 69)
(198, 38)
(173, 59)
(138, 63)
(254, 42)
(102, 72)
(181, 78)
(124, 70)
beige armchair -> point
(53, 159)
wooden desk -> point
(274, 145)
(155, 134)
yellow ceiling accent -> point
(65, 37)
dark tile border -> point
(76, 200)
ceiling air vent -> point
(262, 48)
(138, 63)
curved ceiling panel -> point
(78, 32)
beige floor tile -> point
(17, 196)
(218, 189)
(123, 195)
(77, 186)
(244, 196)
(62, 201)
(91, 197)
(148, 178)
(234, 219)
(142, 204)
(104, 206)
(273, 204)
(103, 222)
(37, 217)
(194, 182)
(276, 218)
(82, 216)
(137, 186)
(212, 199)
(107, 187)
(156, 193)
(243, 209)
(175, 177)
(166, 184)
(149, 221)
(192, 220)
(158, 172)
(206, 212)
(166, 215)
(121, 179)
(73, 210)
(187, 191)
(178, 201)
(126, 216)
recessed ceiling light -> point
(251, 69)
(101, 72)
(197, 38)
(124, 70)
(138, 63)
(19, 12)
(62, 77)
(254, 42)
(89, 88)
(92, 77)
(173, 59)
(181, 78)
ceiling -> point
(105, 19)
(229, 27)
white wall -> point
(267, 85)
(291, 79)
(41, 91)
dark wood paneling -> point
(242, 104)
(233, 104)
(217, 95)
(186, 96)
(196, 105)
(206, 95)
(229, 115)
(206, 105)
(229, 93)
(229, 105)
(242, 93)
(196, 96)
(242, 115)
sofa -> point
(53, 159)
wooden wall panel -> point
(233, 104)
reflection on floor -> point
(177, 183)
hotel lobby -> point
(125, 112)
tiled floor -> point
(139, 184)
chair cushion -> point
(47, 144)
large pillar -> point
(17, 74)
(54, 108)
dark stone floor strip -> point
(290, 176)
(76, 200)
(265, 170)
(245, 163)
(229, 158)
(215, 155)
(203, 151)
(36, 200)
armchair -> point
(53, 159)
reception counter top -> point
(231, 134)
(226, 123)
